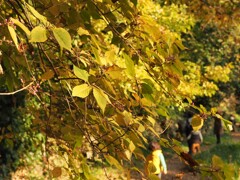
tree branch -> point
(14, 92)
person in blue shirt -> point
(155, 161)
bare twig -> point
(14, 92)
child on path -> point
(155, 162)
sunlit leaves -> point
(82, 90)
(218, 73)
(38, 34)
(82, 31)
(80, 73)
(63, 38)
(128, 58)
(101, 98)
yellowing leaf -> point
(128, 154)
(162, 111)
(101, 98)
(130, 65)
(217, 162)
(47, 75)
(121, 120)
(38, 34)
(112, 161)
(96, 54)
(82, 90)
(56, 172)
(21, 25)
(151, 120)
(63, 38)
(36, 14)
(114, 72)
(132, 147)
(197, 122)
(13, 35)
(80, 73)
(180, 45)
(82, 31)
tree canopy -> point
(100, 74)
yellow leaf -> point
(101, 98)
(38, 34)
(21, 25)
(13, 35)
(128, 154)
(82, 90)
(197, 122)
(63, 38)
(82, 31)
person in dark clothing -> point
(218, 128)
(188, 129)
(194, 140)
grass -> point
(228, 150)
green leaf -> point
(80, 73)
(101, 98)
(13, 35)
(38, 34)
(130, 65)
(82, 90)
(21, 25)
(63, 38)
(162, 111)
(146, 88)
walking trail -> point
(179, 170)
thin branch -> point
(14, 92)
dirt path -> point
(178, 170)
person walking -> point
(194, 140)
(155, 161)
(218, 129)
